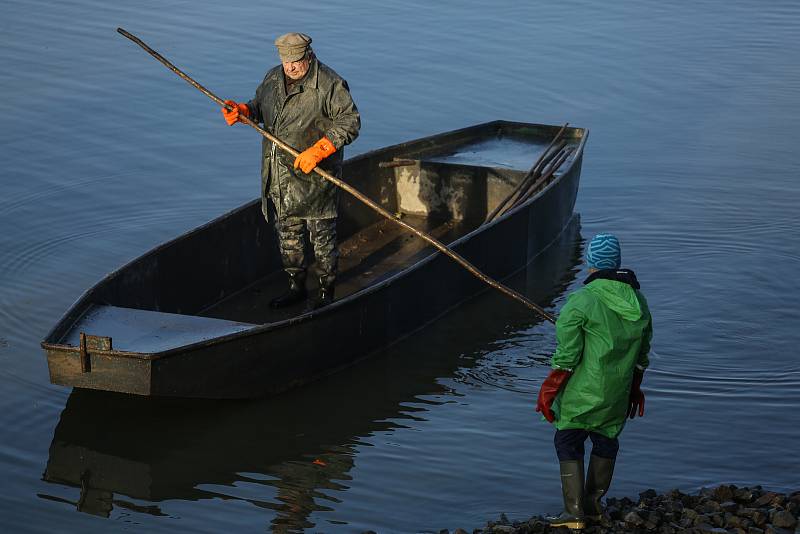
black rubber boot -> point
(324, 295)
(572, 489)
(296, 292)
(598, 480)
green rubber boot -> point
(598, 479)
(572, 489)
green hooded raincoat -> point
(603, 334)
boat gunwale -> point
(83, 305)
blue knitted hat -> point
(604, 252)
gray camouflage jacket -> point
(318, 106)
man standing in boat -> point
(307, 105)
(603, 334)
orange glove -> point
(309, 158)
(232, 117)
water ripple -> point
(691, 160)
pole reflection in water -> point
(296, 449)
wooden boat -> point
(191, 318)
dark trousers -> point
(321, 233)
(569, 444)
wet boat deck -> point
(373, 254)
(366, 258)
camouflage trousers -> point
(321, 233)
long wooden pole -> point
(343, 185)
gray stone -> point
(702, 519)
(675, 495)
(536, 525)
(759, 518)
(764, 499)
(724, 493)
(632, 518)
(711, 506)
(705, 528)
(648, 494)
(743, 495)
(729, 506)
(706, 493)
(783, 519)
(732, 521)
(654, 517)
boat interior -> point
(445, 200)
(218, 279)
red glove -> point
(309, 158)
(232, 116)
(636, 401)
(549, 390)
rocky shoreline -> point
(721, 510)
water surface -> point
(691, 161)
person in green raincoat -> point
(603, 334)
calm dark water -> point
(691, 161)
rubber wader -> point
(296, 292)
(598, 480)
(324, 294)
(572, 489)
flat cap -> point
(292, 46)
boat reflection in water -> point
(300, 446)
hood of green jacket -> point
(618, 296)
